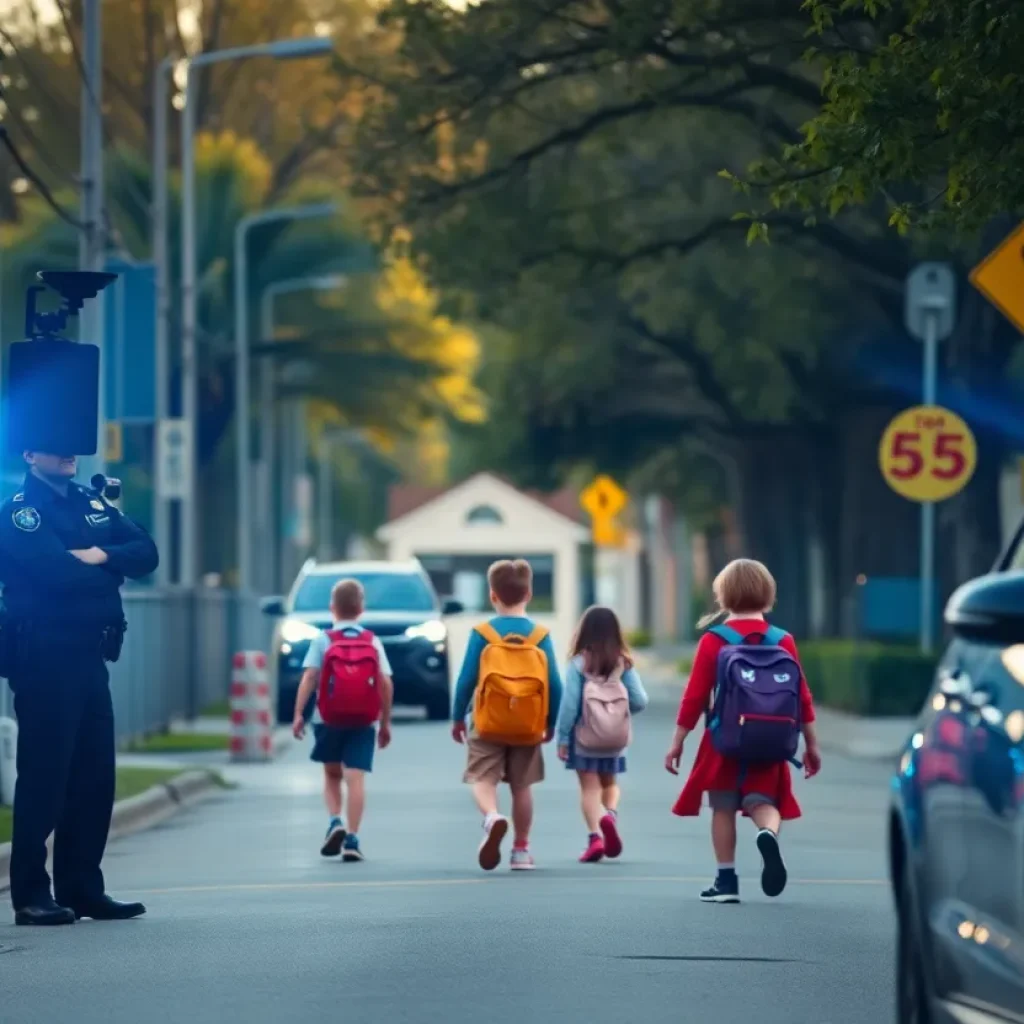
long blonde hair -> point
(743, 587)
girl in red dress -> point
(744, 591)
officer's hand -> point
(91, 556)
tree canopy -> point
(923, 103)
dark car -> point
(402, 608)
(956, 836)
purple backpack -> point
(755, 710)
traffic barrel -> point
(252, 722)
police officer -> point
(64, 553)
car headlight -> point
(293, 631)
(434, 631)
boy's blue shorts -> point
(351, 747)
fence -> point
(177, 655)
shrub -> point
(685, 665)
(638, 639)
(868, 678)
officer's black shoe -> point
(106, 909)
(45, 913)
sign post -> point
(930, 317)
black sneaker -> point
(725, 890)
(334, 838)
(773, 870)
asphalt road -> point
(247, 922)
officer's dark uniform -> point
(64, 620)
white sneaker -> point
(496, 828)
(522, 860)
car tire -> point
(439, 709)
(912, 1001)
(285, 710)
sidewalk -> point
(282, 737)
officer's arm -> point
(132, 551)
(41, 553)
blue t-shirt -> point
(503, 625)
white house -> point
(457, 532)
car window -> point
(385, 592)
(1014, 559)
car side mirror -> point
(989, 609)
(273, 606)
(452, 607)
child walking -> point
(602, 692)
(760, 789)
(349, 670)
(510, 678)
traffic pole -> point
(930, 386)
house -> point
(457, 532)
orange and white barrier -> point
(252, 723)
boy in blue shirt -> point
(490, 762)
(346, 754)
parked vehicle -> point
(402, 608)
(956, 837)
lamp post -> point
(326, 282)
(243, 464)
(283, 49)
(325, 511)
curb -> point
(149, 808)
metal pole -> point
(931, 344)
(268, 444)
(189, 367)
(324, 500)
(243, 465)
(91, 245)
(161, 257)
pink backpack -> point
(604, 726)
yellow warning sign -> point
(1000, 278)
(927, 454)
(604, 499)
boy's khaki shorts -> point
(498, 762)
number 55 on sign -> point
(927, 453)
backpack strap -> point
(489, 633)
(774, 636)
(726, 633)
(536, 638)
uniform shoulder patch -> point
(26, 518)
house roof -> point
(406, 498)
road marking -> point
(408, 883)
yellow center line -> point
(444, 882)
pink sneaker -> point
(612, 839)
(489, 854)
(594, 852)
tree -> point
(923, 104)
(559, 164)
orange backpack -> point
(511, 703)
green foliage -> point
(923, 103)
(639, 639)
(868, 678)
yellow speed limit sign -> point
(927, 453)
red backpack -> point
(349, 697)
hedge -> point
(868, 678)
(639, 639)
(864, 678)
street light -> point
(243, 466)
(283, 49)
(326, 282)
(344, 435)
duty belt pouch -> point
(113, 641)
